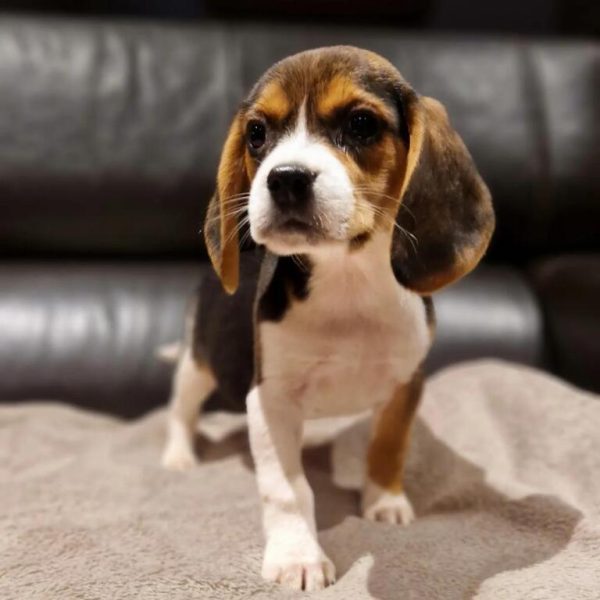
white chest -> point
(345, 348)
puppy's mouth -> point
(294, 225)
(294, 228)
(285, 233)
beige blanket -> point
(504, 475)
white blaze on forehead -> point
(333, 191)
(301, 129)
(296, 147)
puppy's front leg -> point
(383, 497)
(293, 555)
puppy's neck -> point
(352, 277)
(341, 261)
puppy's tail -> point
(169, 353)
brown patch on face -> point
(377, 170)
(273, 102)
(364, 218)
(342, 91)
(338, 92)
(377, 173)
(377, 185)
(387, 450)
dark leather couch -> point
(109, 138)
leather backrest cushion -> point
(110, 133)
(87, 332)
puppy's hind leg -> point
(192, 385)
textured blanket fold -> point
(504, 474)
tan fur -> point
(273, 102)
(343, 91)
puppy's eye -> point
(362, 126)
(256, 133)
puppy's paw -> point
(386, 507)
(178, 457)
(298, 568)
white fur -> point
(293, 555)
(357, 336)
(343, 350)
(191, 387)
(340, 351)
(379, 504)
(333, 192)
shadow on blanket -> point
(466, 529)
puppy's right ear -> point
(221, 227)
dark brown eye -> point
(256, 133)
(362, 126)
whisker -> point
(367, 190)
(387, 218)
(238, 195)
(236, 230)
(230, 201)
(245, 237)
(229, 213)
(298, 262)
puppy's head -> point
(333, 145)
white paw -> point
(298, 569)
(178, 457)
(386, 507)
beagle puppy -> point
(362, 201)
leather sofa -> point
(110, 134)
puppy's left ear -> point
(446, 209)
(221, 225)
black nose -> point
(290, 185)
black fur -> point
(223, 334)
(289, 282)
(429, 311)
(395, 94)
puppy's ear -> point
(446, 210)
(221, 226)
